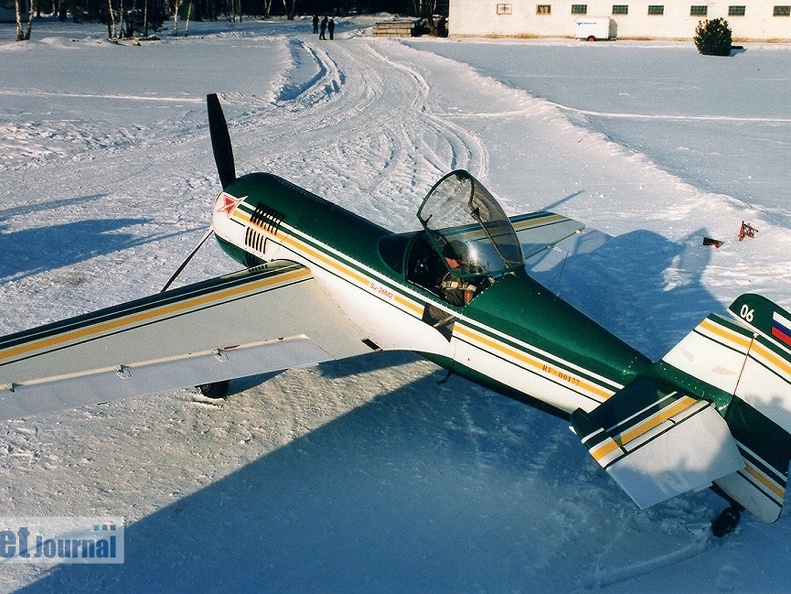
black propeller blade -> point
(223, 156)
(220, 141)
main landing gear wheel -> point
(215, 390)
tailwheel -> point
(726, 522)
(216, 389)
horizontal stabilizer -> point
(265, 319)
(657, 442)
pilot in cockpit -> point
(453, 287)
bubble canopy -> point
(465, 222)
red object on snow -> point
(747, 230)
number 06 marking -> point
(747, 313)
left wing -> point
(538, 231)
(265, 319)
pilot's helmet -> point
(456, 250)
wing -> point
(265, 319)
(541, 230)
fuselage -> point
(514, 336)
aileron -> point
(232, 326)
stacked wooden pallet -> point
(394, 29)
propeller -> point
(220, 141)
(223, 156)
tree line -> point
(144, 18)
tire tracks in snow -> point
(339, 120)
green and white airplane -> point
(321, 283)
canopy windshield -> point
(463, 220)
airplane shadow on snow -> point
(36, 249)
(30, 209)
(30, 251)
(644, 288)
(420, 488)
(430, 486)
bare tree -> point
(111, 31)
(187, 25)
(18, 13)
(290, 6)
(21, 33)
(30, 10)
(115, 19)
(176, 4)
(424, 8)
(235, 10)
(130, 18)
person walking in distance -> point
(331, 28)
(323, 27)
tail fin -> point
(645, 435)
(759, 416)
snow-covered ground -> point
(371, 474)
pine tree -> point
(713, 38)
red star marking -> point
(227, 203)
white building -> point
(756, 20)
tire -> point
(215, 390)
(726, 522)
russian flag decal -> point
(781, 328)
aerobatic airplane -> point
(321, 283)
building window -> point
(782, 11)
(656, 9)
(544, 9)
(620, 9)
(579, 9)
(698, 10)
(736, 10)
(504, 8)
